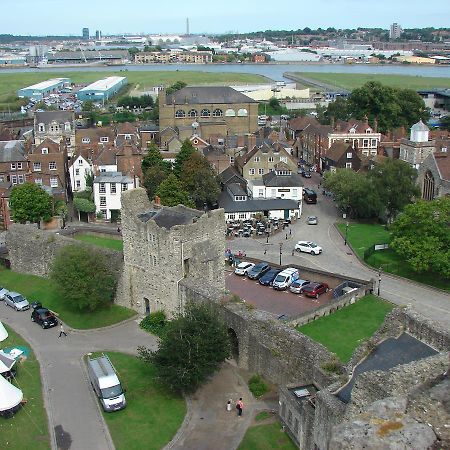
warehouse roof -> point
(104, 84)
(48, 83)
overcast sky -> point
(43, 17)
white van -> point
(285, 278)
(106, 384)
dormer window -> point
(128, 137)
(369, 130)
(240, 198)
(86, 140)
(352, 130)
(41, 128)
(44, 151)
(67, 126)
(104, 139)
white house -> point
(78, 170)
(108, 188)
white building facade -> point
(78, 171)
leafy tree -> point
(187, 149)
(338, 110)
(88, 106)
(133, 51)
(154, 158)
(421, 235)
(199, 180)
(30, 203)
(171, 192)
(153, 177)
(89, 178)
(87, 194)
(176, 87)
(83, 205)
(395, 182)
(445, 123)
(191, 349)
(412, 107)
(84, 277)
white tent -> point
(10, 396)
(6, 362)
(3, 332)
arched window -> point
(428, 186)
(180, 113)
(217, 113)
(230, 113)
(205, 113)
(242, 112)
(192, 113)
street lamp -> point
(281, 246)
(346, 231)
(379, 280)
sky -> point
(56, 17)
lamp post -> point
(379, 280)
(281, 246)
(346, 231)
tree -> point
(153, 177)
(171, 192)
(88, 106)
(84, 278)
(154, 158)
(338, 110)
(412, 107)
(133, 51)
(421, 235)
(445, 123)
(199, 180)
(395, 182)
(176, 87)
(30, 203)
(83, 205)
(191, 349)
(89, 178)
(187, 149)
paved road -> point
(339, 258)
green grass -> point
(263, 415)
(353, 80)
(99, 241)
(344, 330)
(28, 428)
(44, 290)
(362, 236)
(266, 437)
(10, 83)
(152, 416)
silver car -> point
(16, 301)
(3, 292)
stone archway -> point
(234, 343)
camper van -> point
(106, 384)
(285, 278)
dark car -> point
(309, 196)
(314, 289)
(306, 174)
(268, 277)
(258, 270)
(44, 317)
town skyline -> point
(137, 16)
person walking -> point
(240, 407)
(61, 331)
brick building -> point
(13, 162)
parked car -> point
(258, 270)
(312, 220)
(16, 301)
(44, 317)
(297, 286)
(243, 268)
(285, 278)
(306, 174)
(3, 292)
(268, 277)
(309, 196)
(308, 247)
(315, 289)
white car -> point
(308, 247)
(16, 301)
(243, 268)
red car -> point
(315, 289)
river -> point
(272, 71)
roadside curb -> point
(108, 327)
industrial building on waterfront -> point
(44, 88)
(102, 90)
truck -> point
(106, 384)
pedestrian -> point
(290, 232)
(239, 407)
(118, 229)
(61, 331)
(293, 251)
(229, 405)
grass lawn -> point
(28, 428)
(266, 437)
(353, 80)
(44, 290)
(10, 83)
(114, 244)
(362, 236)
(152, 416)
(344, 330)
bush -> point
(154, 323)
(257, 386)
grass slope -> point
(266, 437)
(352, 80)
(28, 428)
(344, 330)
(152, 416)
(99, 241)
(44, 290)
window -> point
(104, 139)
(180, 114)
(230, 113)
(52, 165)
(77, 171)
(78, 184)
(369, 130)
(192, 113)
(373, 142)
(13, 166)
(36, 167)
(54, 127)
(54, 182)
(294, 192)
(14, 179)
(240, 198)
(256, 159)
(128, 137)
(41, 128)
(102, 201)
(217, 113)
(103, 212)
(154, 260)
(260, 192)
(112, 188)
(231, 160)
(242, 112)
(205, 113)
(231, 216)
(80, 162)
(19, 166)
(67, 126)
(251, 171)
(348, 165)
(349, 155)
(283, 159)
(102, 188)
(242, 215)
(260, 171)
(102, 169)
(38, 181)
(124, 187)
(273, 192)
(270, 159)
(20, 179)
(44, 151)
(365, 143)
(86, 140)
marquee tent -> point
(3, 333)
(10, 396)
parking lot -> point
(279, 302)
